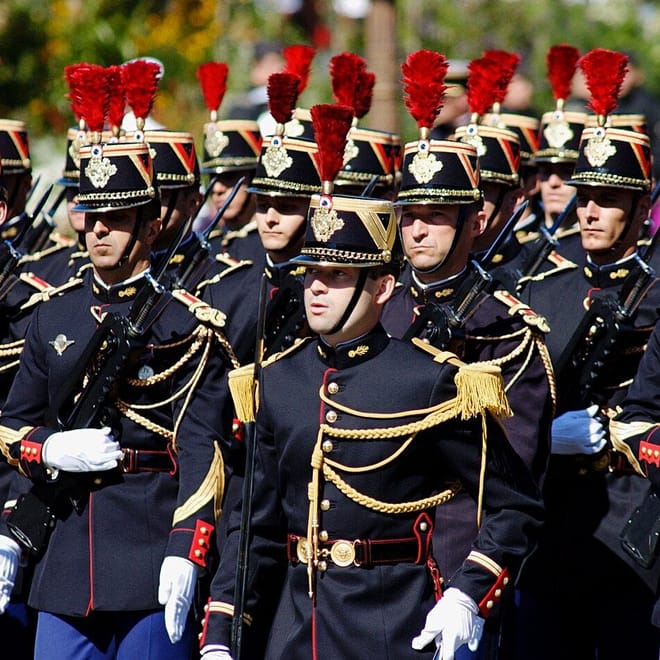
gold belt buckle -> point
(342, 553)
(301, 550)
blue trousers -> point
(109, 636)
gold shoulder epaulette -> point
(59, 242)
(202, 311)
(530, 237)
(232, 267)
(479, 385)
(561, 264)
(241, 232)
(516, 306)
(243, 388)
(44, 290)
(570, 231)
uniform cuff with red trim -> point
(193, 544)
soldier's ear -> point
(152, 229)
(477, 222)
(3, 211)
(385, 289)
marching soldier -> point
(129, 488)
(439, 218)
(343, 508)
(230, 152)
(580, 579)
(285, 179)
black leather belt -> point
(363, 552)
(145, 460)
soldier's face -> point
(555, 193)
(281, 221)
(328, 292)
(603, 213)
(109, 234)
(76, 218)
(221, 188)
(427, 233)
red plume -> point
(561, 62)
(331, 123)
(140, 79)
(507, 64)
(298, 60)
(116, 97)
(88, 91)
(364, 93)
(212, 77)
(345, 70)
(482, 84)
(283, 90)
(604, 71)
(423, 80)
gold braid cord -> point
(202, 340)
(432, 416)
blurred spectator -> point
(253, 104)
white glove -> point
(216, 652)
(578, 432)
(10, 555)
(81, 450)
(452, 622)
(175, 590)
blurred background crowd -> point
(37, 40)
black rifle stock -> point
(581, 366)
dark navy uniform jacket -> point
(501, 331)
(588, 503)
(236, 292)
(241, 244)
(106, 553)
(374, 475)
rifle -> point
(581, 366)
(545, 245)
(37, 236)
(245, 531)
(10, 254)
(196, 259)
(442, 323)
(85, 402)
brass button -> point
(327, 446)
(505, 581)
(333, 388)
(203, 530)
(323, 566)
(423, 526)
(498, 593)
(331, 416)
(325, 505)
(98, 481)
(489, 604)
(201, 542)
(323, 536)
(198, 553)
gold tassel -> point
(243, 392)
(480, 387)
